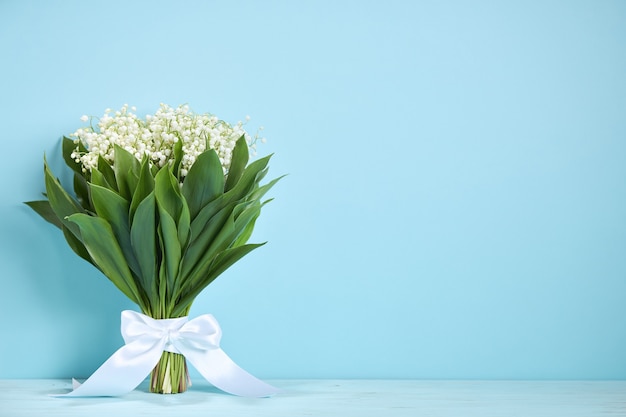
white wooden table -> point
(362, 398)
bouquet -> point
(161, 206)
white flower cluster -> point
(156, 135)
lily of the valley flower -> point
(156, 136)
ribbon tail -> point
(121, 373)
(220, 370)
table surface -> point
(363, 398)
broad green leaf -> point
(98, 178)
(114, 209)
(204, 182)
(145, 186)
(224, 238)
(220, 242)
(198, 254)
(81, 189)
(238, 163)
(68, 147)
(126, 168)
(167, 193)
(164, 300)
(258, 193)
(202, 238)
(239, 208)
(246, 233)
(170, 199)
(171, 246)
(102, 246)
(249, 180)
(246, 185)
(43, 208)
(196, 272)
(206, 214)
(227, 258)
(60, 205)
(241, 218)
(259, 177)
(107, 173)
(143, 237)
(61, 202)
(245, 218)
(184, 224)
(178, 156)
(222, 262)
(77, 246)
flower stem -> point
(170, 375)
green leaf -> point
(178, 156)
(184, 224)
(161, 308)
(43, 208)
(224, 238)
(241, 192)
(103, 248)
(143, 237)
(107, 173)
(171, 246)
(126, 168)
(249, 180)
(197, 263)
(167, 193)
(77, 246)
(61, 202)
(238, 162)
(248, 228)
(154, 169)
(169, 198)
(208, 223)
(227, 258)
(145, 186)
(222, 262)
(258, 193)
(81, 189)
(60, 205)
(206, 214)
(245, 220)
(98, 178)
(114, 209)
(204, 182)
(68, 147)
(202, 238)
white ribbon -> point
(146, 339)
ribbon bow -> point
(146, 339)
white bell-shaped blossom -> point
(156, 136)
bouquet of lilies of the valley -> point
(161, 206)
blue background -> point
(456, 198)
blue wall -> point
(456, 198)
